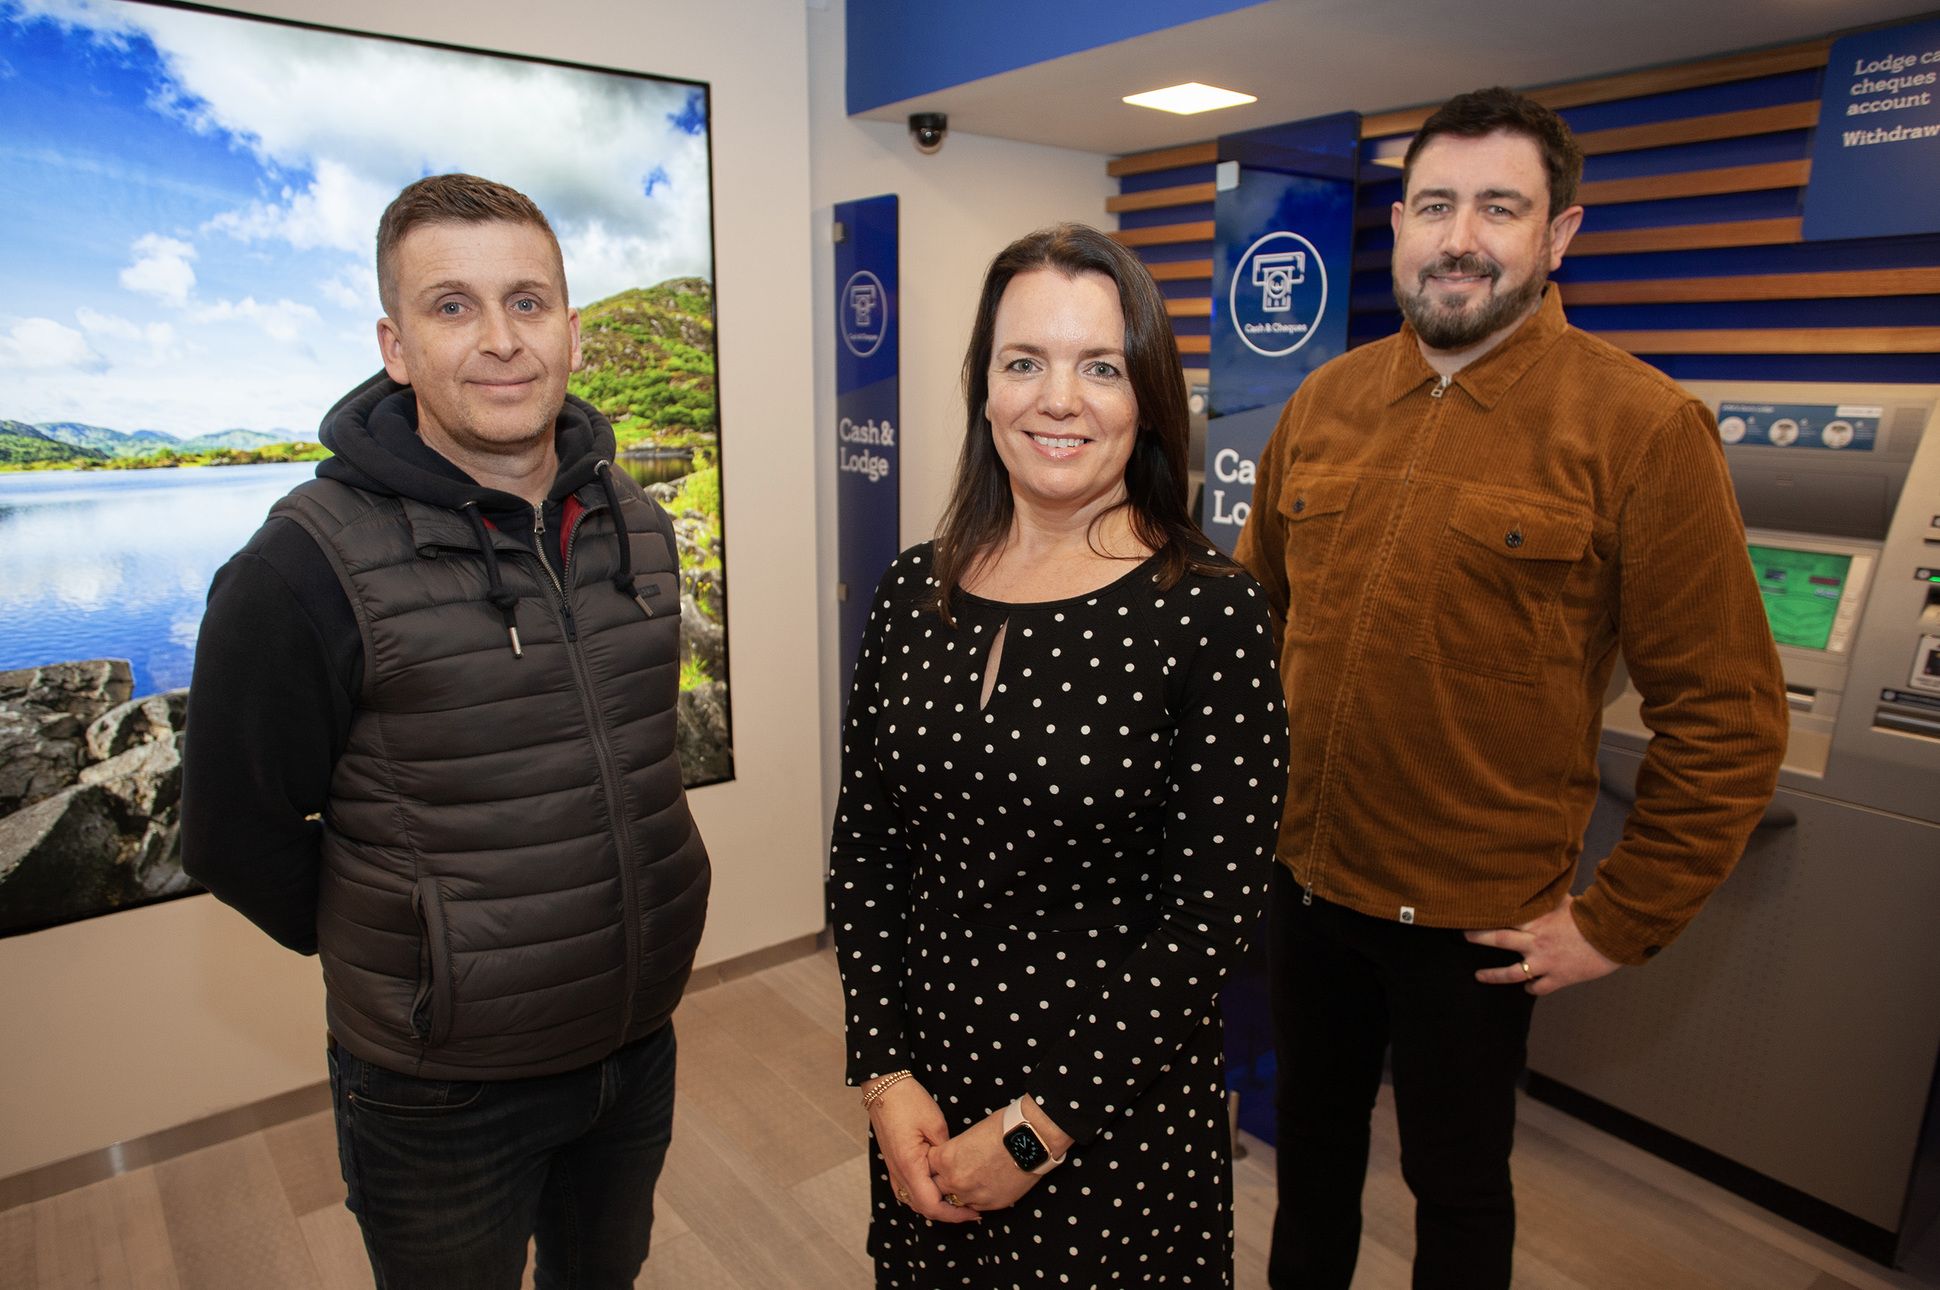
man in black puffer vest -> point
(432, 740)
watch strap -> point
(1014, 1119)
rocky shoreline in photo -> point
(91, 776)
(90, 793)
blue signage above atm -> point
(1876, 156)
(1835, 427)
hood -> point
(373, 432)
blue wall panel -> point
(899, 50)
(1173, 178)
(1166, 215)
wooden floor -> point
(765, 1188)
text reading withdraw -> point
(1898, 134)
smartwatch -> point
(1026, 1149)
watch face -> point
(1024, 1148)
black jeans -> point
(450, 1178)
(1345, 987)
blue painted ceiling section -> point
(899, 49)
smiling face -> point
(1061, 409)
(482, 334)
(1473, 240)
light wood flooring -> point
(766, 1187)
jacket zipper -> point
(609, 778)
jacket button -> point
(1299, 505)
(1512, 539)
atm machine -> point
(1786, 1044)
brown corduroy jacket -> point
(1454, 570)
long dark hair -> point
(980, 508)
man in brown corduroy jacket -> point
(1459, 529)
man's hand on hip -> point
(1554, 953)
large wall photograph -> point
(192, 200)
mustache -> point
(1467, 266)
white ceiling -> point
(1306, 58)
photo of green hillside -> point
(647, 363)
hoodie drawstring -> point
(503, 598)
(623, 574)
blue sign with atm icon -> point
(1833, 427)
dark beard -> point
(1447, 329)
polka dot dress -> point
(1043, 895)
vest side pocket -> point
(431, 1008)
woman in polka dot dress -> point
(1060, 791)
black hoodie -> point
(279, 661)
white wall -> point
(957, 209)
(125, 1025)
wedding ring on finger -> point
(902, 1194)
(1527, 975)
(951, 1198)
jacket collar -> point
(1491, 376)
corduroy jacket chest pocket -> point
(1313, 511)
(1498, 577)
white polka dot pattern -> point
(1045, 894)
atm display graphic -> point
(1801, 591)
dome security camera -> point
(927, 130)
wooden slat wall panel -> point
(1697, 183)
(1687, 237)
(1165, 234)
(1674, 336)
(1630, 85)
(1777, 340)
(1700, 129)
(1652, 188)
(1141, 163)
(1156, 198)
(1674, 237)
(1770, 286)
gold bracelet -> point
(883, 1082)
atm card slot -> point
(1906, 723)
(1801, 698)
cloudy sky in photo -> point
(191, 201)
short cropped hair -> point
(451, 199)
(1483, 112)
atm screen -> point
(1802, 591)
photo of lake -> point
(192, 206)
(117, 563)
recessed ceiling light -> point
(1189, 98)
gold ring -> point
(902, 1194)
(1527, 975)
(951, 1198)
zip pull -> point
(1439, 390)
(538, 521)
(1306, 895)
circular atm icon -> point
(1278, 294)
(863, 313)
